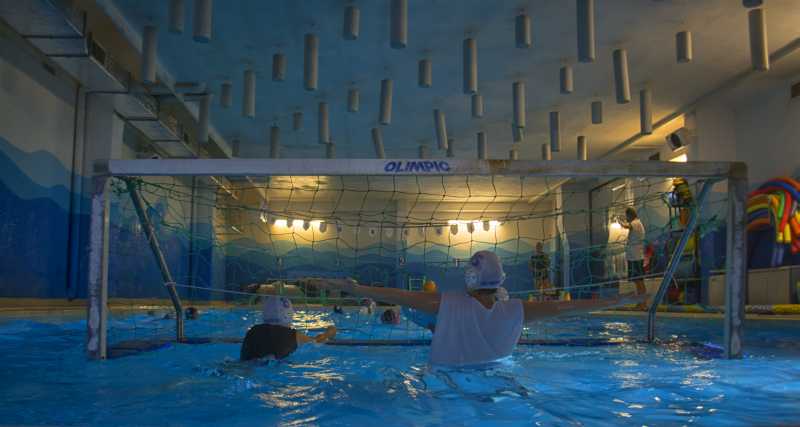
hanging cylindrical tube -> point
(422, 153)
(451, 151)
(555, 132)
(546, 154)
(518, 89)
(385, 114)
(586, 38)
(297, 121)
(352, 22)
(646, 111)
(513, 154)
(226, 95)
(203, 119)
(621, 78)
(330, 150)
(202, 21)
(441, 129)
(323, 124)
(425, 73)
(470, 66)
(278, 67)
(235, 148)
(683, 46)
(274, 142)
(176, 16)
(398, 25)
(597, 112)
(565, 77)
(482, 145)
(249, 98)
(522, 31)
(310, 62)
(759, 51)
(149, 53)
(477, 106)
(377, 142)
(353, 100)
(517, 133)
(583, 148)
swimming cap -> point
(277, 311)
(485, 271)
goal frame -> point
(734, 173)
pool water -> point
(45, 378)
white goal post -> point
(734, 173)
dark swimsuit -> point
(268, 340)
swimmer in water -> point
(189, 313)
(390, 317)
(367, 306)
(275, 337)
(480, 324)
(338, 309)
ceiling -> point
(248, 32)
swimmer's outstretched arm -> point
(423, 301)
(329, 333)
(548, 309)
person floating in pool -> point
(190, 313)
(337, 309)
(275, 337)
(367, 306)
(479, 325)
(390, 317)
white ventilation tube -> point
(566, 79)
(377, 143)
(297, 121)
(441, 129)
(450, 148)
(353, 100)
(482, 145)
(249, 98)
(176, 16)
(149, 53)
(555, 131)
(583, 148)
(759, 50)
(597, 112)
(546, 154)
(646, 111)
(278, 67)
(470, 66)
(202, 20)
(477, 106)
(683, 46)
(398, 24)
(586, 37)
(385, 114)
(621, 78)
(522, 31)
(425, 73)
(518, 92)
(310, 62)
(352, 22)
(323, 124)
(203, 112)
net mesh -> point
(228, 240)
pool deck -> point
(34, 307)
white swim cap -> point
(277, 310)
(485, 271)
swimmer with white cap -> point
(482, 324)
(275, 337)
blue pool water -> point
(46, 379)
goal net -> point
(227, 239)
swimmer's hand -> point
(345, 285)
(329, 334)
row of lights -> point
(322, 226)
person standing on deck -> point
(634, 249)
(539, 266)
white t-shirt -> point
(469, 334)
(634, 249)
